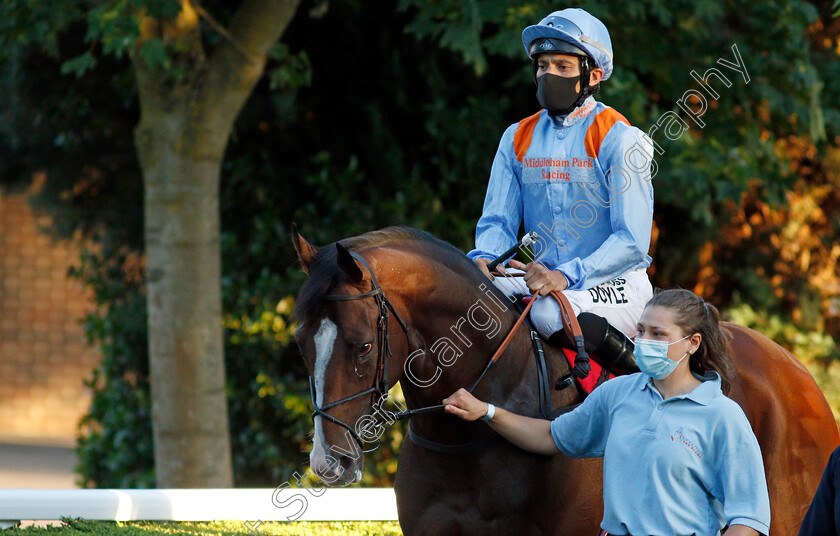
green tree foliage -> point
(381, 115)
(115, 449)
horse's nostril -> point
(346, 462)
(325, 468)
(351, 468)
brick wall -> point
(43, 353)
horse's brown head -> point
(344, 320)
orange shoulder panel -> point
(596, 132)
(523, 135)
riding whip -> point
(527, 240)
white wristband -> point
(491, 411)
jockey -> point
(579, 175)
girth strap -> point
(475, 446)
(461, 448)
(542, 373)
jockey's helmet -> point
(571, 31)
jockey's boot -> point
(603, 342)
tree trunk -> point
(184, 127)
(192, 444)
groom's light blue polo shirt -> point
(687, 465)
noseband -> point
(380, 386)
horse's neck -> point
(457, 319)
(457, 330)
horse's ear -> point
(305, 251)
(348, 264)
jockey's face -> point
(564, 65)
(567, 66)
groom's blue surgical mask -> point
(652, 357)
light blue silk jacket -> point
(583, 183)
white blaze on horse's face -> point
(324, 346)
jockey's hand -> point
(540, 280)
(464, 405)
(482, 265)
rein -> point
(504, 345)
(570, 326)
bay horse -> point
(398, 305)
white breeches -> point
(621, 301)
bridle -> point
(381, 383)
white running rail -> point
(299, 504)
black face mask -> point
(557, 93)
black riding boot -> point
(604, 342)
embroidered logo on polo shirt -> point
(679, 437)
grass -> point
(81, 527)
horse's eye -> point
(365, 349)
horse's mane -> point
(324, 272)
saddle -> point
(596, 375)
